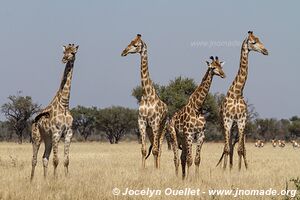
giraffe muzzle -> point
(265, 52)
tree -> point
(175, 94)
(267, 128)
(18, 111)
(294, 127)
(116, 121)
(84, 120)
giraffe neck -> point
(198, 97)
(63, 93)
(237, 87)
(147, 85)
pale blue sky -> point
(33, 32)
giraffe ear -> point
(77, 47)
(64, 47)
(208, 64)
(222, 63)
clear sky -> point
(33, 32)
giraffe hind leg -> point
(200, 140)
(36, 142)
(47, 152)
(232, 144)
(183, 161)
(142, 129)
(68, 137)
(241, 143)
(174, 143)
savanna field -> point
(97, 168)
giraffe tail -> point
(149, 151)
(220, 159)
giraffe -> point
(55, 120)
(234, 107)
(152, 111)
(189, 123)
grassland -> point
(97, 168)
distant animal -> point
(295, 144)
(281, 143)
(259, 143)
(274, 143)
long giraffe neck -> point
(198, 97)
(147, 85)
(237, 87)
(63, 93)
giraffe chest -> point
(152, 109)
(234, 108)
(189, 122)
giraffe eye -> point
(134, 45)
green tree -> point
(18, 111)
(84, 120)
(294, 127)
(116, 121)
(175, 94)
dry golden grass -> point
(97, 168)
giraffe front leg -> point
(142, 128)
(183, 160)
(68, 138)
(47, 152)
(200, 141)
(241, 144)
(161, 140)
(175, 148)
(155, 149)
(189, 155)
(55, 140)
(226, 151)
(36, 142)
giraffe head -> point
(216, 66)
(69, 53)
(135, 46)
(255, 45)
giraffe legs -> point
(66, 150)
(35, 147)
(241, 143)
(47, 152)
(161, 140)
(36, 142)
(55, 140)
(183, 160)
(155, 150)
(200, 140)
(175, 147)
(189, 155)
(227, 123)
(142, 128)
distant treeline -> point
(119, 123)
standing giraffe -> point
(152, 111)
(189, 123)
(234, 107)
(55, 120)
